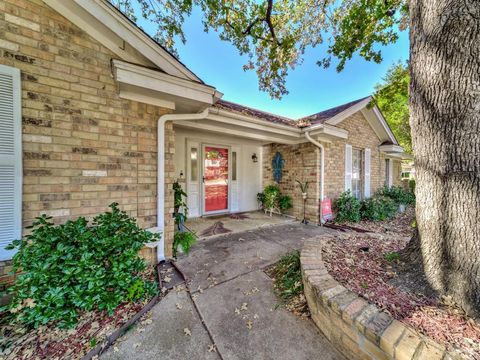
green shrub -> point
(378, 208)
(285, 202)
(412, 185)
(392, 256)
(288, 276)
(271, 195)
(272, 199)
(347, 208)
(398, 194)
(78, 266)
(185, 240)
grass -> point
(288, 276)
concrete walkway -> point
(230, 309)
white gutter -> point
(322, 168)
(161, 171)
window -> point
(10, 159)
(357, 173)
(234, 165)
(193, 164)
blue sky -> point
(312, 88)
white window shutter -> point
(366, 187)
(348, 167)
(10, 159)
(390, 173)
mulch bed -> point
(358, 261)
(50, 342)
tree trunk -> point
(445, 122)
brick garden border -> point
(355, 327)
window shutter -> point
(366, 188)
(390, 172)
(10, 159)
(348, 167)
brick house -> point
(93, 111)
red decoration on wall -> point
(327, 209)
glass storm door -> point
(215, 179)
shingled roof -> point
(245, 110)
(322, 116)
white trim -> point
(108, 22)
(135, 96)
(348, 167)
(290, 130)
(157, 82)
(348, 112)
(238, 132)
(329, 131)
(367, 172)
(383, 122)
(15, 159)
(202, 173)
(390, 148)
(161, 171)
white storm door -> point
(193, 158)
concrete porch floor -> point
(205, 227)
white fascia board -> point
(255, 135)
(347, 112)
(253, 120)
(253, 124)
(156, 81)
(383, 122)
(124, 29)
(328, 130)
(391, 148)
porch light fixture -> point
(254, 158)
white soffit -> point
(105, 24)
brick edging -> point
(357, 328)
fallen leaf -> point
(249, 324)
(179, 307)
(136, 345)
(167, 279)
(212, 348)
(244, 307)
(187, 332)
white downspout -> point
(322, 167)
(161, 171)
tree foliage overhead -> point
(391, 96)
(275, 34)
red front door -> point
(216, 179)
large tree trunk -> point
(445, 122)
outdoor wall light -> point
(254, 158)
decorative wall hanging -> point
(277, 164)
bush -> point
(347, 208)
(412, 185)
(288, 276)
(285, 202)
(272, 199)
(378, 208)
(78, 266)
(185, 240)
(398, 195)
